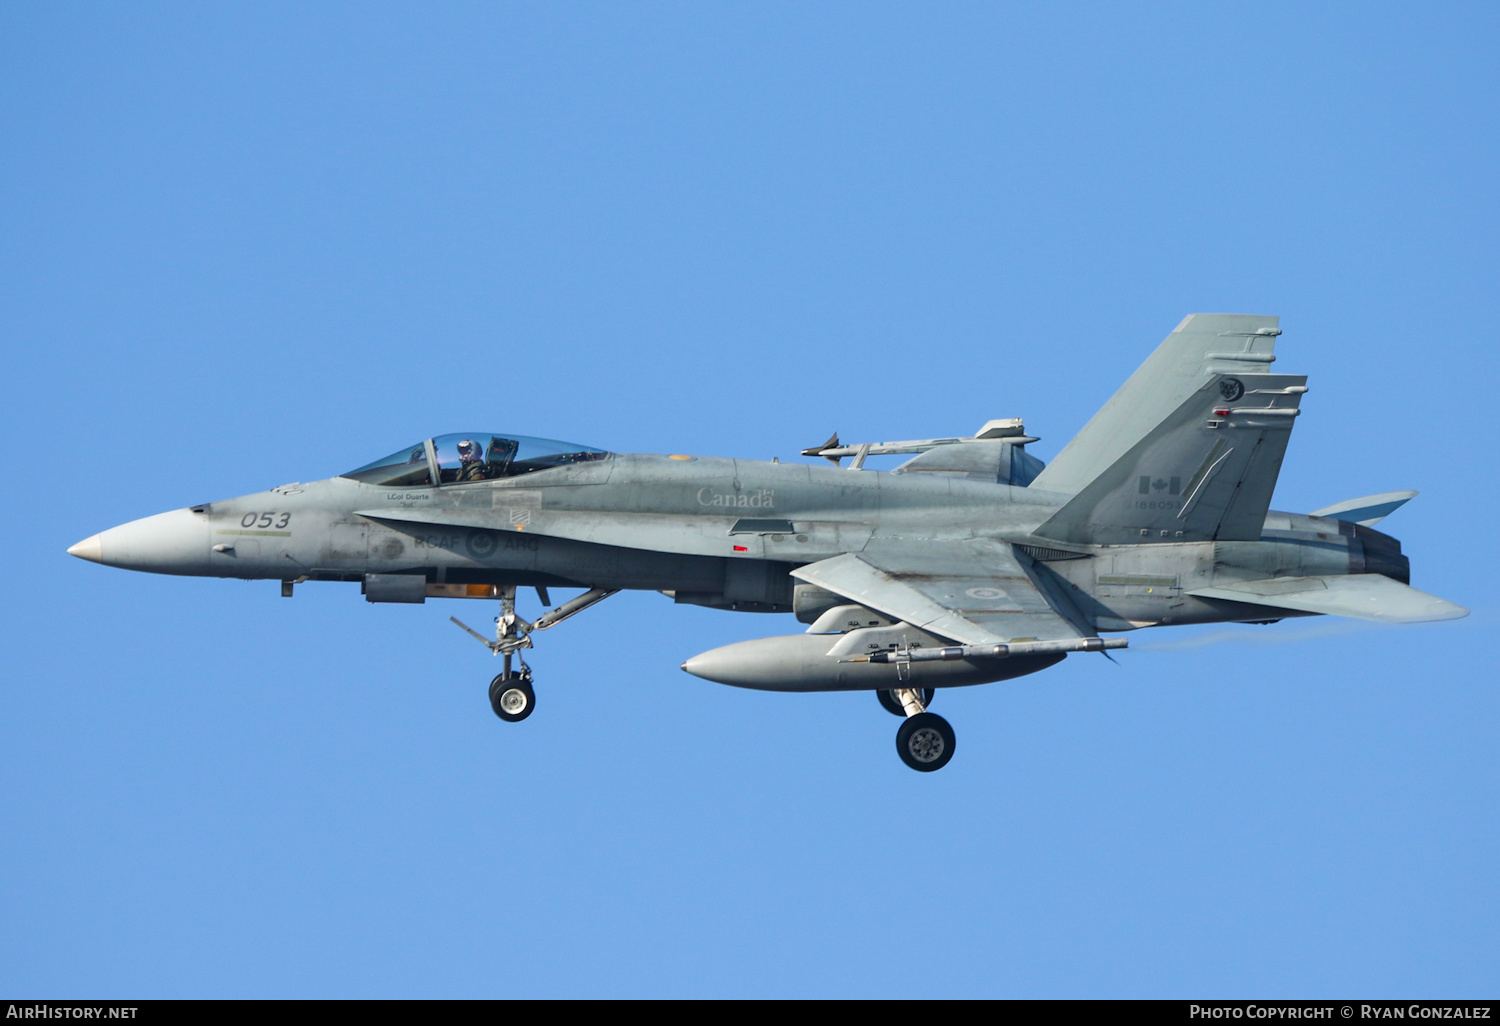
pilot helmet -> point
(468, 450)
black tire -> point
(889, 704)
(511, 697)
(925, 742)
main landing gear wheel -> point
(925, 742)
(511, 697)
(889, 704)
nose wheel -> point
(511, 696)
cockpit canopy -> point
(471, 456)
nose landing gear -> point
(511, 694)
(924, 741)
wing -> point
(974, 592)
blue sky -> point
(248, 244)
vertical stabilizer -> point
(1205, 472)
(1202, 346)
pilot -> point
(470, 462)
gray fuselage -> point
(711, 531)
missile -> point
(1007, 651)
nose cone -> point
(168, 543)
(89, 549)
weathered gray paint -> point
(944, 545)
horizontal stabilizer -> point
(1367, 511)
(1364, 596)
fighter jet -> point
(971, 562)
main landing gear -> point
(925, 741)
(891, 704)
(511, 694)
